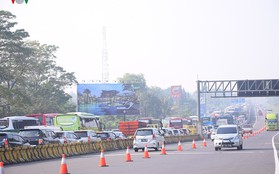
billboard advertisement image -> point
(107, 99)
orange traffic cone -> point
(194, 144)
(63, 166)
(146, 154)
(1, 168)
(128, 155)
(102, 162)
(179, 148)
(204, 143)
(163, 151)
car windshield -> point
(247, 126)
(2, 137)
(59, 134)
(144, 132)
(103, 135)
(4, 123)
(29, 133)
(81, 134)
(226, 130)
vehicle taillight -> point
(6, 143)
(41, 141)
(88, 139)
(153, 136)
(108, 139)
(134, 137)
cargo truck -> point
(271, 122)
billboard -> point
(176, 92)
(108, 99)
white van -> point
(149, 137)
(228, 136)
(17, 123)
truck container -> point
(128, 128)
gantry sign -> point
(237, 88)
(240, 88)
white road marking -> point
(275, 155)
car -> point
(119, 135)
(213, 133)
(184, 131)
(247, 128)
(9, 139)
(166, 132)
(87, 135)
(67, 137)
(228, 136)
(39, 136)
(107, 135)
(148, 137)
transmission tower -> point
(105, 68)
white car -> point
(67, 137)
(119, 135)
(149, 137)
(87, 135)
(228, 136)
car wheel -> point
(157, 147)
(136, 150)
(239, 147)
(216, 148)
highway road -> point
(257, 157)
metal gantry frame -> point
(237, 88)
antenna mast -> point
(105, 68)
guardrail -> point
(52, 151)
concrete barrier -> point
(52, 151)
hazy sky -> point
(171, 42)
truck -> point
(128, 128)
(221, 122)
(271, 122)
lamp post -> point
(124, 113)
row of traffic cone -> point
(194, 146)
(246, 136)
(102, 161)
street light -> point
(124, 112)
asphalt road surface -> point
(257, 157)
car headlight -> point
(217, 138)
(235, 138)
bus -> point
(15, 123)
(45, 119)
(151, 122)
(78, 121)
(271, 121)
(175, 122)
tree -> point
(137, 81)
(30, 80)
